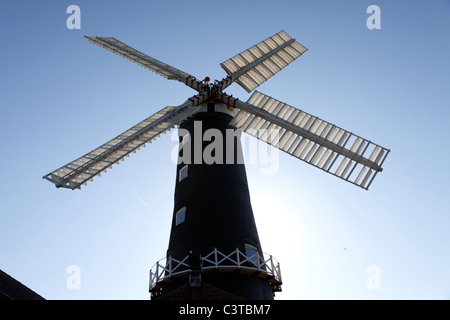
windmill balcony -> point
(261, 265)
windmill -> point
(214, 249)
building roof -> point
(11, 289)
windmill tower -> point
(214, 249)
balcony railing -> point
(258, 264)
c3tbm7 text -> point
(229, 309)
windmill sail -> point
(300, 134)
(257, 64)
(311, 139)
(152, 64)
(85, 168)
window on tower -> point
(180, 216)
(185, 139)
(183, 173)
(252, 253)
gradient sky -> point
(62, 96)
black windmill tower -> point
(214, 250)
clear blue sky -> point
(62, 96)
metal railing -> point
(261, 264)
